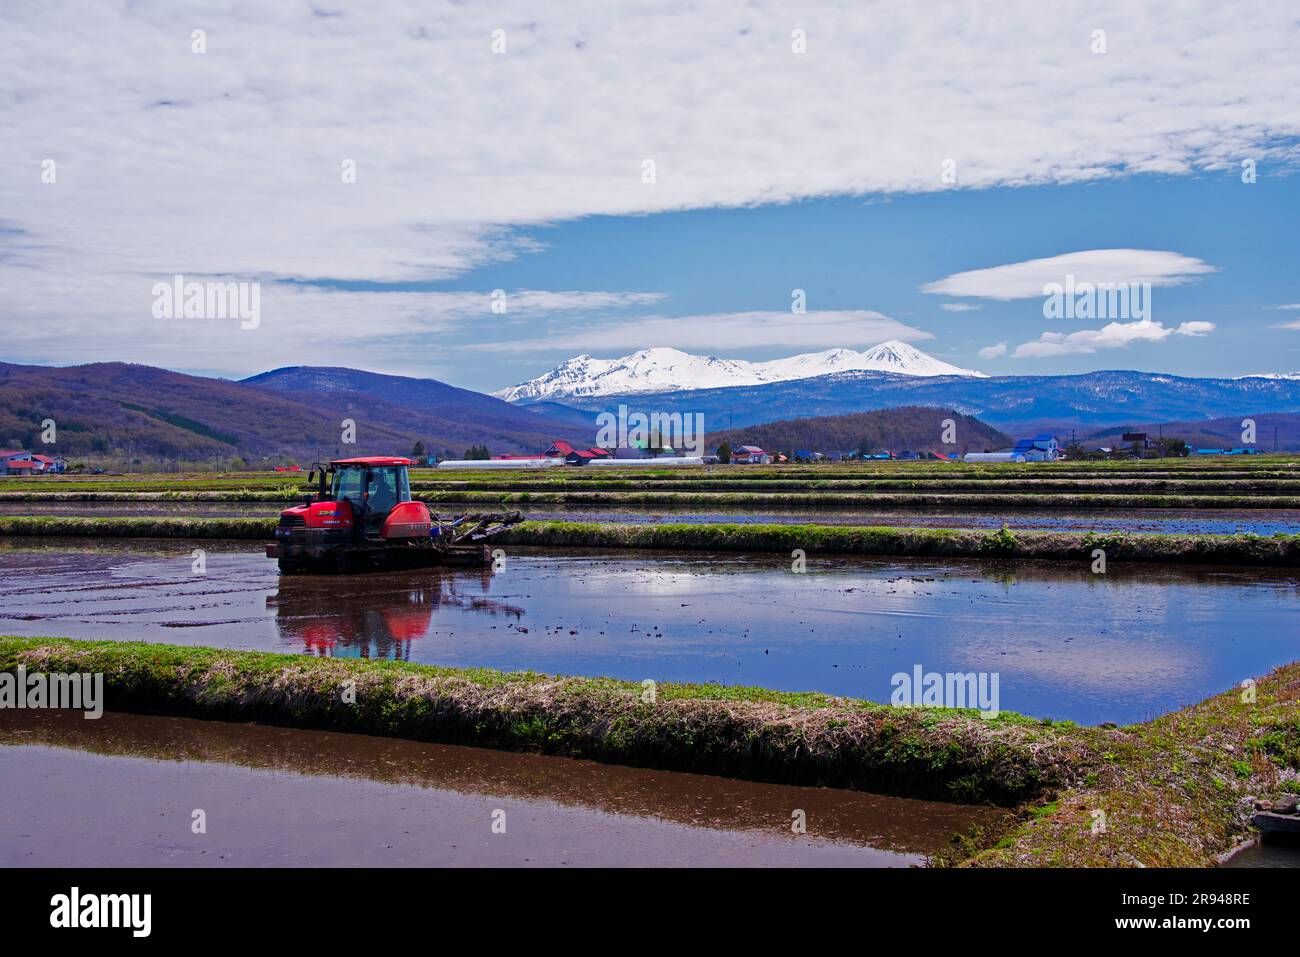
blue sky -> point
(877, 252)
(376, 173)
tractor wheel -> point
(289, 566)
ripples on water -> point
(1123, 647)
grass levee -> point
(1239, 549)
(1176, 791)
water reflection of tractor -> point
(375, 617)
(362, 518)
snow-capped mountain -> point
(1025, 404)
(670, 370)
(1291, 376)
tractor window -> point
(383, 489)
(347, 484)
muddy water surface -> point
(1123, 647)
(1271, 852)
(121, 791)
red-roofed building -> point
(750, 455)
(559, 449)
(45, 464)
(16, 462)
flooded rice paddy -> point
(1133, 521)
(1066, 644)
(1269, 852)
(121, 791)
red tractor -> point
(362, 518)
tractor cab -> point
(371, 487)
(356, 501)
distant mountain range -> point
(732, 393)
(1284, 428)
(128, 411)
(911, 428)
(1294, 376)
(1090, 400)
(669, 370)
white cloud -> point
(228, 162)
(1025, 280)
(960, 306)
(850, 328)
(993, 352)
(299, 325)
(1114, 335)
(1293, 324)
(1293, 305)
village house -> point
(1041, 448)
(46, 465)
(750, 455)
(559, 449)
(16, 462)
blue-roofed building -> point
(1041, 448)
